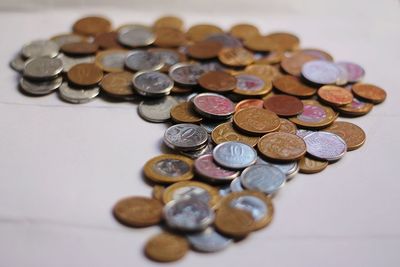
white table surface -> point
(63, 166)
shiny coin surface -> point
(208, 240)
(234, 155)
(78, 95)
(157, 110)
(152, 83)
(166, 247)
(303, 133)
(314, 115)
(264, 178)
(18, 63)
(256, 121)
(184, 113)
(194, 154)
(169, 168)
(207, 169)
(317, 53)
(69, 62)
(189, 214)
(320, 72)
(169, 57)
(356, 108)
(369, 92)
(111, 60)
(355, 72)
(43, 68)
(118, 84)
(186, 73)
(251, 85)
(352, 134)
(85, 74)
(335, 95)
(293, 86)
(287, 126)
(217, 81)
(141, 60)
(284, 105)
(213, 106)
(310, 165)
(185, 136)
(282, 146)
(92, 25)
(204, 49)
(40, 48)
(235, 56)
(225, 132)
(325, 145)
(138, 211)
(41, 87)
(136, 36)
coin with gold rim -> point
(314, 115)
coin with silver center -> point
(18, 63)
(208, 240)
(40, 48)
(236, 185)
(325, 145)
(142, 60)
(78, 96)
(320, 72)
(69, 62)
(188, 214)
(152, 83)
(186, 73)
(234, 155)
(289, 169)
(136, 36)
(43, 68)
(264, 178)
(41, 87)
(185, 137)
(156, 110)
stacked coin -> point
(248, 112)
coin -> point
(303, 133)
(356, 108)
(136, 36)
(278, 41)
(287, 126)
(40, 48)
(335, 95)
(217, 81)
(343, 75)
(206, 168)
(234, 155)
(152, 83)
(166, 247)
(309, 165)
(225, 132)
(183, 113)
(293, 86)
(138, 211)
(281, 146)
(204, 49)
(111, 60)
(186, 73)
(157, 192)
(169, 57)
(355, 72)
(169, 22)
(141, 60)
(91, 26)
(293, 64)
(284, 105)
(208, 240)
(66, 38)
(314, 115)
(251, 85)
(325, 145)
(226, 40)
(244, 31)
(213, 106)
(320, 72)
(169, 37)
(272, 57)
(265, 72)
(317, 53)
(69, 62)
(43, 68)
(235, 56)
(263, 178)
(352, 134)
(290, 169)
(78, 95)
(185, 137)
(247, 103)
(200, 32)
(107, 40)
(256, 121)
(236, 186)
(85, 74)
(117, 84)
(79, 48)
(157, 110)
(41, 87)
(18, 63)
(369, 92)
(194, 154)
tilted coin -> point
(166, 247)
(66, 38)
(207, 169)
(208, 240)
(293, 64)
(264, 178)
(355, 72)
(138, 211)
(320, 72)
(157, 192)
(282, 146)
(247, 103)
(352, 134)
(287, 126)
(251, 85)
(79, 48)
(369, 92)
(185, 136)
(236, 185)
(290, 169)
(317, 53)
(303, 133)
(310, 165)
(343, 75)
(266, 72)
(40, 48)
(69, 62)
(234, 155)
(184, 113)
(41, 87)
(314, 115)
(194, 154)
(141, 60)
(272, 57)
(224, 190)
(18, 63)
(226, 132)
(278, 41)
(293, 86)
(356, 108)
(200, 32)
(235, 56)
(168, 22)
(117, 84)
(284, 105)
(169, 168)
(213, 106)
(78, 95)
(244, 31)
(169, 57)
(43, 68)
(325, 145)
(256, 121)
(204, 49)
(111, 60)
(186, 73)
(217, 81)
(85, 74)
(157, 110)
(209, 126)
(226, 40)
(136, 36)
(152, 83)
(92, 25)
(335, 95)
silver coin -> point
(208, 240)
(251, 204)
(184, 97)
(236, 185)
(264, 178)
(355, 72)
(320, 72)
(152, 83)
(185, 137)
(199, 152)
(225, 190)
(41, 87)
(188, 214)
(115, 60)
(40, 48)
(77, 96)
(18, 63)
(136, 36)
(157, 110)
(141, 60)
(186, 73)
(289, 169)
(303, 133)
(171, 167)
(168, 57)
(225, 39)
(191, 192)
(43, 68)
(325, 145)
(63, 39)
(343, 75)
(69, 62)
(234, 155)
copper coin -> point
(200, 32)
(118, 84)
(273, 57)
(138, 211)
(256, 121)
(247, 103)
(169, 37)
(181, 90)
(217, 81)
(284, 105)
(293, 86)
(85, 74)
(369, 92)
(235, 57)
(287, 126)
(320, 54)
(356, 108)
(169, 22)
(282, 146)
(107, 40)
(310, 165)
(204, 49)
(92, 26)
(79, 48)
(157, 192)
(184, 113)
(352, 134)
(335, 95)
(166, 247)
(314, 115)
(244, 31)
(292, 64)
(273, 42)
(266, 72)
(225, 132)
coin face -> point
(282, 146)
(335, 95)
(111, 60)
(235, 56)
(117, 84)
(225, 132)
(138, 211)
(266, 72)
(169, 168)
(249, 103)
(169, 57)
(208, 240)
(264, 178)
(204, 49)
(354, 72)
(141, 60)
(136, 36)
(157, 110)
(217, 81)
(293, 86)
(352, 134)
(290, 169)
(293, 64)
(310, 165)
(325, 145)
(209, 170)
(166, 247)
(91, 26)
(184, 113)
(287, 126)
(236, 185)
(66, 38)
(248, 84)
(284, 105)
(256, 121)
(234, 155)
(185, 136)
(213, 106)
(41, 87)
(18, 63)
(186, 73)
(78, 95)
(369, 92)
(152, 83)
(314, 115)
(43, 68)
(40, 48)
(169, 22)
(320, 72)
(85, 74)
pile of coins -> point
(248, 112)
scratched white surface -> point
(63, 166)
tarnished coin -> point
(284, 105)
(314, 115)
(184, 113)
(256, 121)
(369, 92)
(185, 137)
(200, 32)
(43, 68)
(234, 155)
(213, 106)
(355, 72)
(226, 40)
(92, 25)
(293, 64)
(169, 22)
(356, 108)
(335, 95)
(325, 145)
(320, 72)
(235, 56)
(317, 53)
(107, 40)
(18, 63)
(157, 110)
(217, 81)
(79, 48)
(287, 126)
(166, 247)
(78, 95)
(282, 146)
(206, 168)
(136, 36)
(141, 60)
(118, 84)
(169, 168)
(66, 38)
(310, 165)
(264, 178)
(225, 132)
(244, 31)
(352, 134)
(251, 85)
(69, 62)
(186, 73)
(41, 87)
(85, 74)
(293, 86)
(204, 49)
(208, 241)
(152, 83)
(188, 214)
(40, 48)
(138, 211)
(111, 60)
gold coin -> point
(256, 121)
(266, 72)
(282, 146)
(352, 134)
(184, 113)
(118, 84)
(244, 31)
(234, 222)
(112, 60)
(273, 42)
(157, 192)
(138, 211)
(200, 32)
(287, 126)
(310, 165)
(169, 22)
(166, 247)
(189, 189)
(235, 56)
(169, 168)
(314, 115)
(225, 132)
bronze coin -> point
(244, 31)
(352, 134)
(266, 72)
(181, 90)
(320, 54)
(79, 48)
(200, 32)
(184, 113)
(287, 126)
(284, 105)
(138, 211)
(335, 95)
(169, 37)
(117, 84)
(169, 22)
(204, 50)
(369, 92)
(273, 42)
(310, 165)
(107, 40)
(356, 108)
(92, 26)
(85, 74)
(282, 146)
(235, 57)
(293, 64)
(273, 57)
(247, 103)
(256, 121)
(225, 132)
(293, 86)
(217, 81)
(166, 247)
